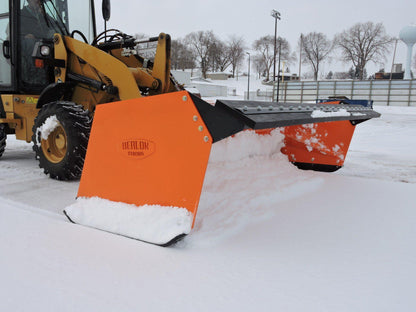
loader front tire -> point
(60, 138)
(3, 137)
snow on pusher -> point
(121, 122)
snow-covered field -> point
(268, 237)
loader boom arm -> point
(161, 66)
(125, 72)
(111, 67)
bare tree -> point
(362, 43)
(341, 75)
(201, 43)
(181, 55)
(147, 49)
(307, 75)
(330, 75)
(265, 48)
(219, 56)
(236, 47)
(259, 65)
(315, 48)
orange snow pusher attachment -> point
(144, 180)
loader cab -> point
(26, 26)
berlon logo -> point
(137, 148)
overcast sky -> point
(251, 19)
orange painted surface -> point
(324, 143)
(151, 150)
(331, 102)
(264, 131)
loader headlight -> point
(45, 50)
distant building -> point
(397, 73)
(219, 75)
(287, 77)
(291, 77)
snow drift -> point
(151, 223)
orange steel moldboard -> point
(151, 150)
(324, 143)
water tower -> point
(408, 36)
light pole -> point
(276, 16)
(248, 83)
(394, 56)
(278, 73)
(300, 54)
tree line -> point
(358, 45)
(205, 50)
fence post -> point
(317, 89)
(274, 90)
(371, 90)
(388, 93)
(352, 88)
(286, 90)
(410, 91)
(301, 92)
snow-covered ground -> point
(268, 237)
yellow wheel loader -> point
(94, 108)
(47, 76)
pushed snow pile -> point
(48, 127)
(241, 168)
(150, 223)
(319, 113)
(246, 144)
